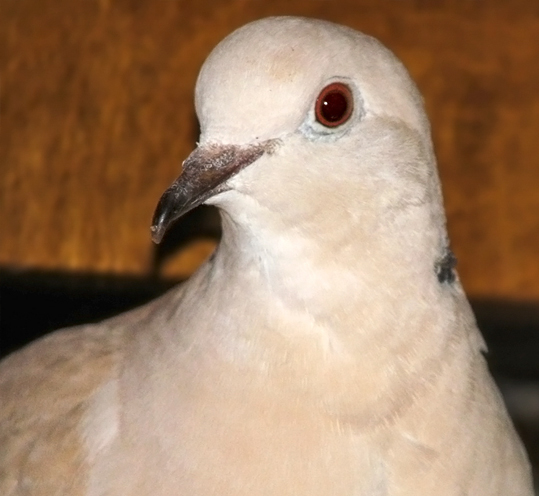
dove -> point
(325, 348)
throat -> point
(347, 333)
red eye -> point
(334, 105)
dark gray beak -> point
(204, 174)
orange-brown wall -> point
(96, 115)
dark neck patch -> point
(445, 267)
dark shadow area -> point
(511, 330)
(33, 303)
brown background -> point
(96, 116)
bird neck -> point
(378, 322)
(351, 286)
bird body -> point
(326, 348)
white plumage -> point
(325, 349)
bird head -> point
(313, 128)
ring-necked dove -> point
(326, 348)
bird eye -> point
(334, 105)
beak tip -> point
(160, 222)
(165, 213)
(157, 233)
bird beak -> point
(204, 174)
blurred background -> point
(96, 116)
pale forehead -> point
(273, 68)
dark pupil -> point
(334, 106)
